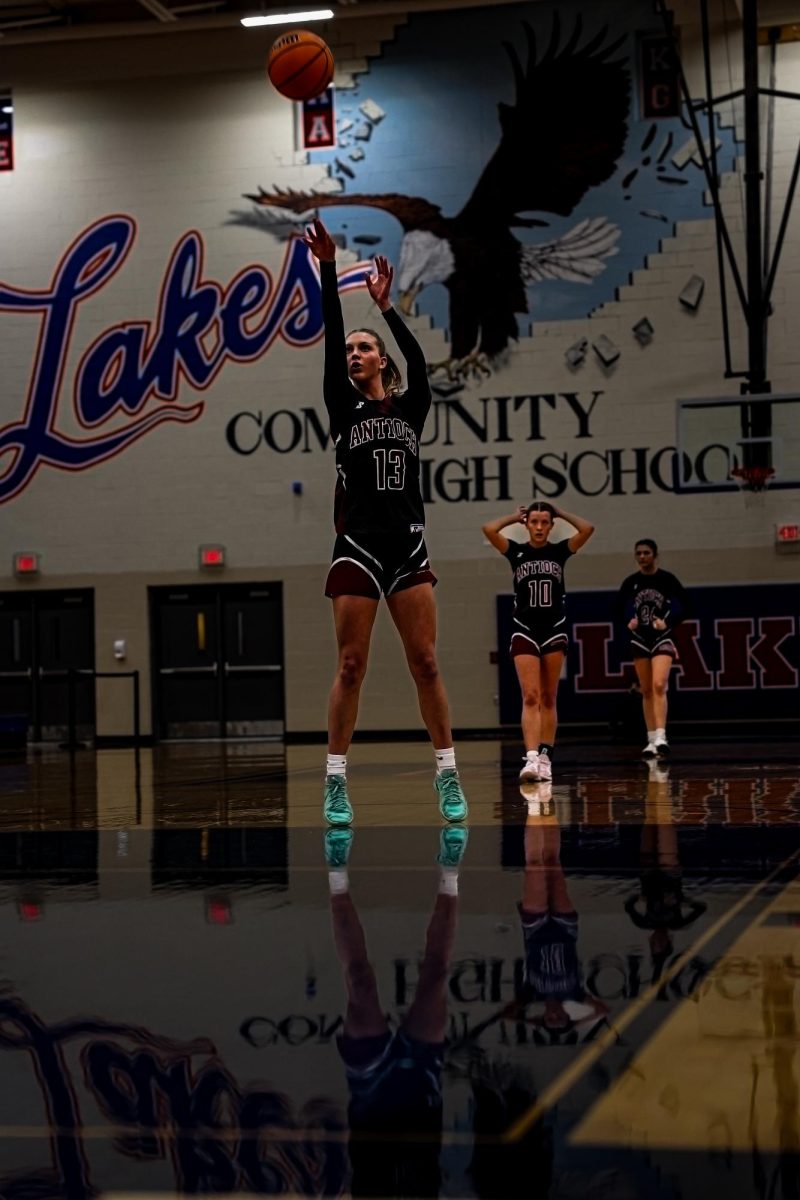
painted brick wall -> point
(172, 131)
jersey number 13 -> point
(390, 466)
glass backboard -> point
(717, 435)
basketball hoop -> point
(753, 482)
(753, 479)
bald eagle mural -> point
(563, 135)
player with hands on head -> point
(650, 603)
(376, 427)
(539, 637)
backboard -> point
(717, 435)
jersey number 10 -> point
(391, 469)
(541, 593)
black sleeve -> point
(335, 381)
(416, 400)
(623, 603)
(696, 908)
(680, 606)
(639, 920)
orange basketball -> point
(300, 64)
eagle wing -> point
(411, 211)
(564, 133)
(578, 256)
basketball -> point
(300, 65)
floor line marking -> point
(560, 1086)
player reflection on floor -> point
(553, 973)
(395, 1075)
(660, 905)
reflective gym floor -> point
(589, 992)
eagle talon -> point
(446, 365)
(459, 370)
(477, 365)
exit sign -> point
(787, 537)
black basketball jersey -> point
(551, 960)
(538, 572)
(377, 442)
(650, 597)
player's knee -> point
(352, 668)
(548, 699)
(424, 666)
(531, 697)
(660, 688)
(361, 978)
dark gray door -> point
(47, 661)
(218, 661)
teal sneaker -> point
(452, 844)
(337, 808)
(452, 801)
(337, 847)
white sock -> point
(448, 881)
(445, 760)
(661, 735)
(532, 755)
(336, 764)
(338, 882)
(651, 736)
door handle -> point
(212, 670)
(230, 669)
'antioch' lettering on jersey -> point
(375, 429)
(538, 566)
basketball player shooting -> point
(376, 427)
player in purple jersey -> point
(539, 640)
(380, 523)
(650, 603)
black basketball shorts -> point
(371, 564)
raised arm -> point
(585, 528)
(335, 380)
(491, 530)
(379, 287)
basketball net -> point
(753, 483)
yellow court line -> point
(725, 1062)
(570, 1076)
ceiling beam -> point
(369, 8)
(158, 10)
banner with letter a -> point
(319, 122)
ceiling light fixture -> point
(317, 14)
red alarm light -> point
(212, 556)
(26, 563)
(787, 533)
(219, 911)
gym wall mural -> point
(515, 180)
(559, 168)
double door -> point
(47, 661)
(218, 661)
